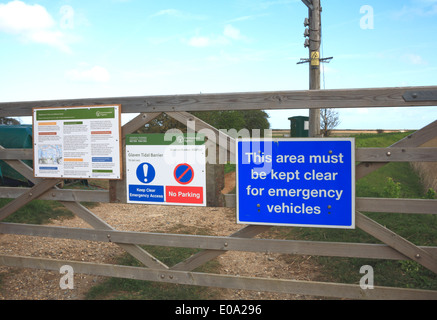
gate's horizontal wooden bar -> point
(16, 154)
(60, 194)
(421, 206)
(362, 154)
(309, 288)
(396, 154)
(339, 249)
(302, 99)
(414, 206)
(392, 205)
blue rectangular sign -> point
(146, 193)
(296, 182)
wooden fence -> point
(394, 246)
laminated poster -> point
(77, 142)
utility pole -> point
(315, 38)
(313, 33)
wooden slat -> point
(97, 223)
(308, 288)
(304, 99)
(362, 154)
(82, 212)
(138, 122)
(415, 139)
(60, 194)
(414, 206)
(22, 168)
(421, 206)
(25, 198)
(418, 138)
(225, 142)
(364, 168)
(316, 248)
(16, 154)
(397, 242)
(396, 154)
(204, 256)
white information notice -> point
(77, 142)
(166, 172)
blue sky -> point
(102, 48)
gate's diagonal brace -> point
(37, 190)
(387, 236)
(43, 186)
(137, 122)
(206, 255)
(142, 255)
(225, 142)
(397, 242)
(416, 139)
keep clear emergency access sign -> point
(166, 169)
(296, 182)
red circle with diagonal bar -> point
(183, 173)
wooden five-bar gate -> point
(394, 246)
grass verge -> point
(37, 212)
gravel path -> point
(27, 284)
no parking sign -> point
(184, 173)
(166, 169)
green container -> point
(14, 137)
(299, 126)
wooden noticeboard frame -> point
(55, 146)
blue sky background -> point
(102, 48)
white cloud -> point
(230, 34)
(247, 18)
(264, 5)
(178, 14)
(413, 59)
(94, 74)
(199, 41)
(419, 8)
(32, 23)
(18, 17)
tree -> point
(256, 119)
(9, 121)
(162, 124)
(329, 119)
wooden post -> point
(314, 56)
